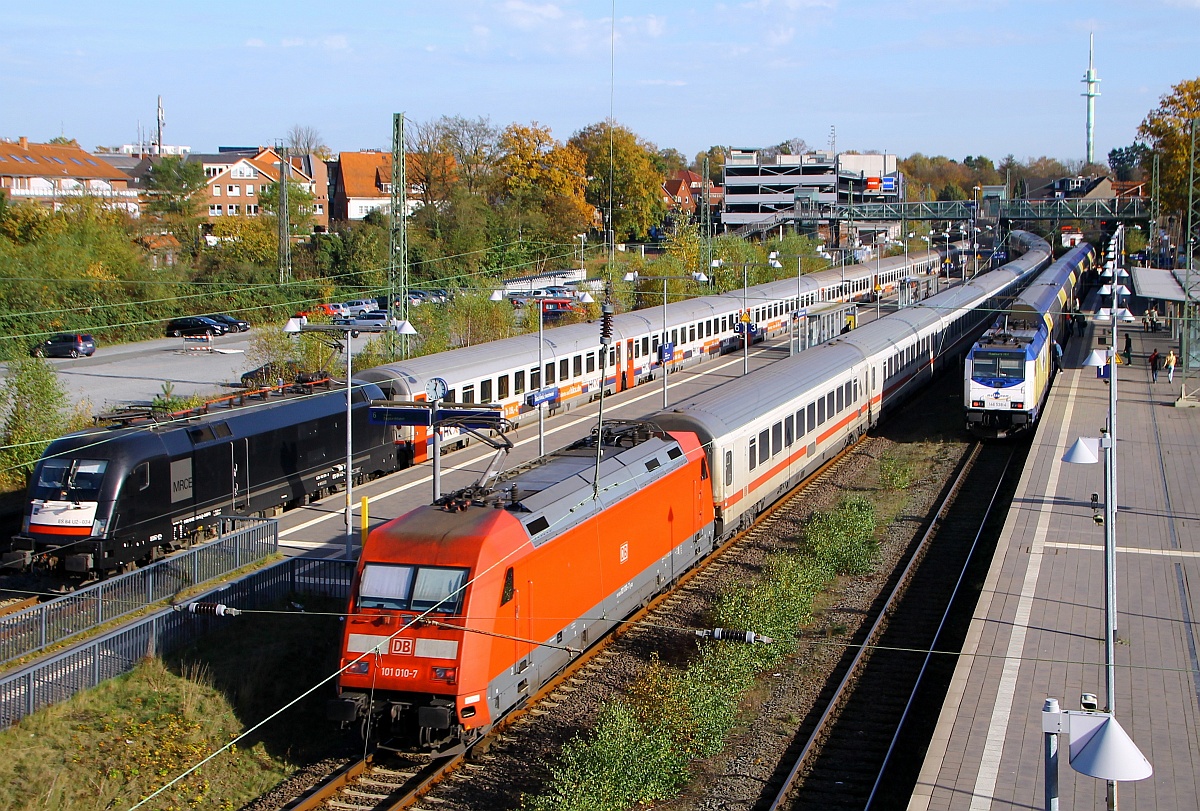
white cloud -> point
(254, 42)
(781, 36)
(529, 15)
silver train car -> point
(507, 372)
(1008, 373)
(767, 431)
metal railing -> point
(57, 678)
(34, 629)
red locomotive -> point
(462, 609)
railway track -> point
(862, 750)
(388, 781)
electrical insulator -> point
(606, 324)
(219, 609)
(729, 635)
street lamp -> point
(349, 332)
(664, 345)
(1084, 451)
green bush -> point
(894, 474)
(843, 539)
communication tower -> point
(1092, 83)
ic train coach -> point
(1008, 372)
(460, 610)
(507, 371)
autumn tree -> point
(1167, 132)
(669, 162)
(716, 163)
(622, 178)
(299, 203)
(472, 142)
(541, 176)
(430, 167)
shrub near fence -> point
(34, 629)
(59, 677)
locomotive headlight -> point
(977, 404)
(360, 668)
(99, 526)
(447, 674)
(1018, 404)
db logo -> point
(402, 646)
(624, 552)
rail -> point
(27, 632)
(58, 677)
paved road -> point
(133, 374)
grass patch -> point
(110, 746)
(641, 748)
(894, 474)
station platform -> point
(1038, 629)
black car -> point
(194, 325)
(65, 345)
(232, 324)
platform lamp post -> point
(1085, 451)
(664, 345)
(349, 333)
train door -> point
(628, 372)
(239, 459)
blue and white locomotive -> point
(1009, 369)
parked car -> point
(193, 325)
(290, 372)
(375, 318)
(65, 345)
(359, 306)
(231, 324)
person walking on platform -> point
(1128, 349)
(1155, 361)
(1169, 365)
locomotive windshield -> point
(998, 365)
(69, 479)
(412, 588)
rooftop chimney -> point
(24, 142)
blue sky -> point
(948, 77)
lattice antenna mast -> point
(1092, 84)
(833, 137)
(283, 215)
(398, 222)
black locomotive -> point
(106, 499)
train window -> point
(485, 391)
(564, 369)
(519, 382)
(510, 589)
(437, 589)
(637, 349)
(202, 433)
(675, 337)
(776, 438)
(468, 395)
(385, 586)
(753, 453)
(821, 411)
(728, 468)
(812, 417)
(451, 396)
(612, 357)
(829, 404)
(840, 402)
(646, 345)
(692, 334)
(788, 427)
(764, 446)
(591, 362)
(69, 479)
(800, 424)
(502, 387)
(856, 389)
(221, 429)
(549, 373)
(535, 378)
(577, 365)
